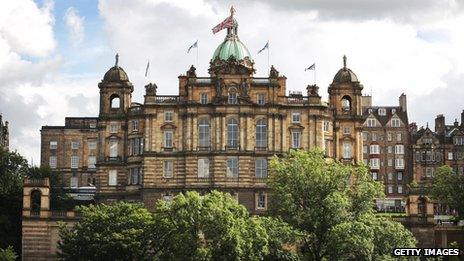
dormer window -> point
(459, 141)
(393, 111)
(371, 122)
(369, 111)
(382, 112)
(395, 123)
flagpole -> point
(315, 75)
(268, 51)
(197, 53)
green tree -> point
(332, 205)
(209, 227)
(13, 167)
(448, 188)
(7, 254)
(117, 231)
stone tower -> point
(345, 100)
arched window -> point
(261, 134)
(232, 96)
(204, 139)
(232, 133)
(115, 101)
(346, 103)
(35, 202)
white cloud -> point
(390, 54)
(26, 28)
(75, 24)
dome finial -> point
(117, 60)
(232, 10)
(344, 61)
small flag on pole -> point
(312, 67)
(264, 48)
(194, 45)
(146, 70)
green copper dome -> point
(231, 47)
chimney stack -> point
(440, 124)
(403, 102)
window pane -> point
(204, 133)
(261, 134)
(232, 133)
(232, 167)
(112, 177)
(113, 148)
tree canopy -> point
(332, 204)
(13, 168)
(448, 188)
(108, 232)
(216, 227)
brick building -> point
(217, 133)
(4, 134)
(386, 149)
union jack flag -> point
(227, 23)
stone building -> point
(4, 134)
(432, 149)
(386, 150)
(217, 133)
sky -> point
(53, 54)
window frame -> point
(168, 168)
(296, 134)
(233, 133)
(261, 166)
(298, 118)
(232, 167)
(261, 138)
(168, 142)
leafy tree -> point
(332, 205)
(13, 167)
(117, 231)
(448, 188)
(7, 254)
(210, 227)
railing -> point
(205, 148)
(59, 213)
(295, 99)
(204, 179)
(36, 182)
(35, 213)
(167, 99)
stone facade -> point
(218, 133)
(4, 134)
(386, 149)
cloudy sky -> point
(54, 53)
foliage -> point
(7, 254)
(332, 205)
(13, 167)
(448, 188)
(210, 227)
(108, 232)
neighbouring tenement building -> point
(430, 150)
(4, 134)
(386, 150)
(218, 133)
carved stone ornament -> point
(192, 72)
(273, 72)
(150, 89)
